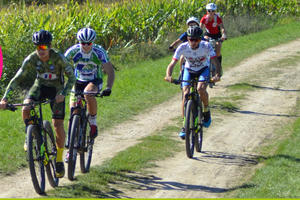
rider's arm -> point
(68, 70)
(223, 32)
(109, 70)
(216, 62)
(26, 71)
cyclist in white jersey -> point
(89, 60)
(196, 52)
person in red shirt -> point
(214, 27)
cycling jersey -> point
(87, 66)
(195, 59)
(212, 26)
(50, 73)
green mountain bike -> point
(193, 120)
(41, 147)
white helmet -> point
(211, 6)
(86, 35)
(192, 19)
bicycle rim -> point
(87, 149)
(75, 128)
(51, 151)
(189, 129)
(35, 160)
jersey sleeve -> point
(183, 37)
(101, 54)
(27, 71)
(178, 53)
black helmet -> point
(42, 37)
(194, 32)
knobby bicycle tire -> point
(86, 148)
(50, 148)
(190, 128)
(36, 165)
(199, 134)
(75, 128)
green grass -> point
(279, 178)
(123, 167)
(136, 89)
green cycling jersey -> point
(50, 73)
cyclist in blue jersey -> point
(89, 61)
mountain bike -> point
(193, 120)
(78, 141)
(41, 147)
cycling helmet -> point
(86, 35)
(42, 37)
(211, 6)
(194, 32)
(192, 19)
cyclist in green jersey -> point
(46, 67)
(89, 61)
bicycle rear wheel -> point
(51, 151)
(35, 159)
(87, 148)
(190, 128)
(74, 138)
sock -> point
(93, 120)
(206, 109)
(59, 155)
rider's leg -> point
(60, 142)
(26, 119)
(218, 51)
(92, 108)
(201, 88)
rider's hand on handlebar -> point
(216, 78)
(106, 92)
(168, 78)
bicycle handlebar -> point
(13, 107)
(96, 94)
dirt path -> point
(229, 144)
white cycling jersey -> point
(195, 59)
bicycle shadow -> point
(248, 112)
(222, 158)
(262, 87)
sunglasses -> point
(42, 47)
(194, 40)
(86, 43)
(210, 11)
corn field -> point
(118, 25)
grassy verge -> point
(279, 176)
(136, 89)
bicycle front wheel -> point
(35, 159)
(199, 132)
(190, 128)
(74, 138)
(50, 148)
(87, 148)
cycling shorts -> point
(203, 75)
(41, 92)
(80, 86)
(214, 36)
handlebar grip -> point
(11, 107)
(176, 82)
